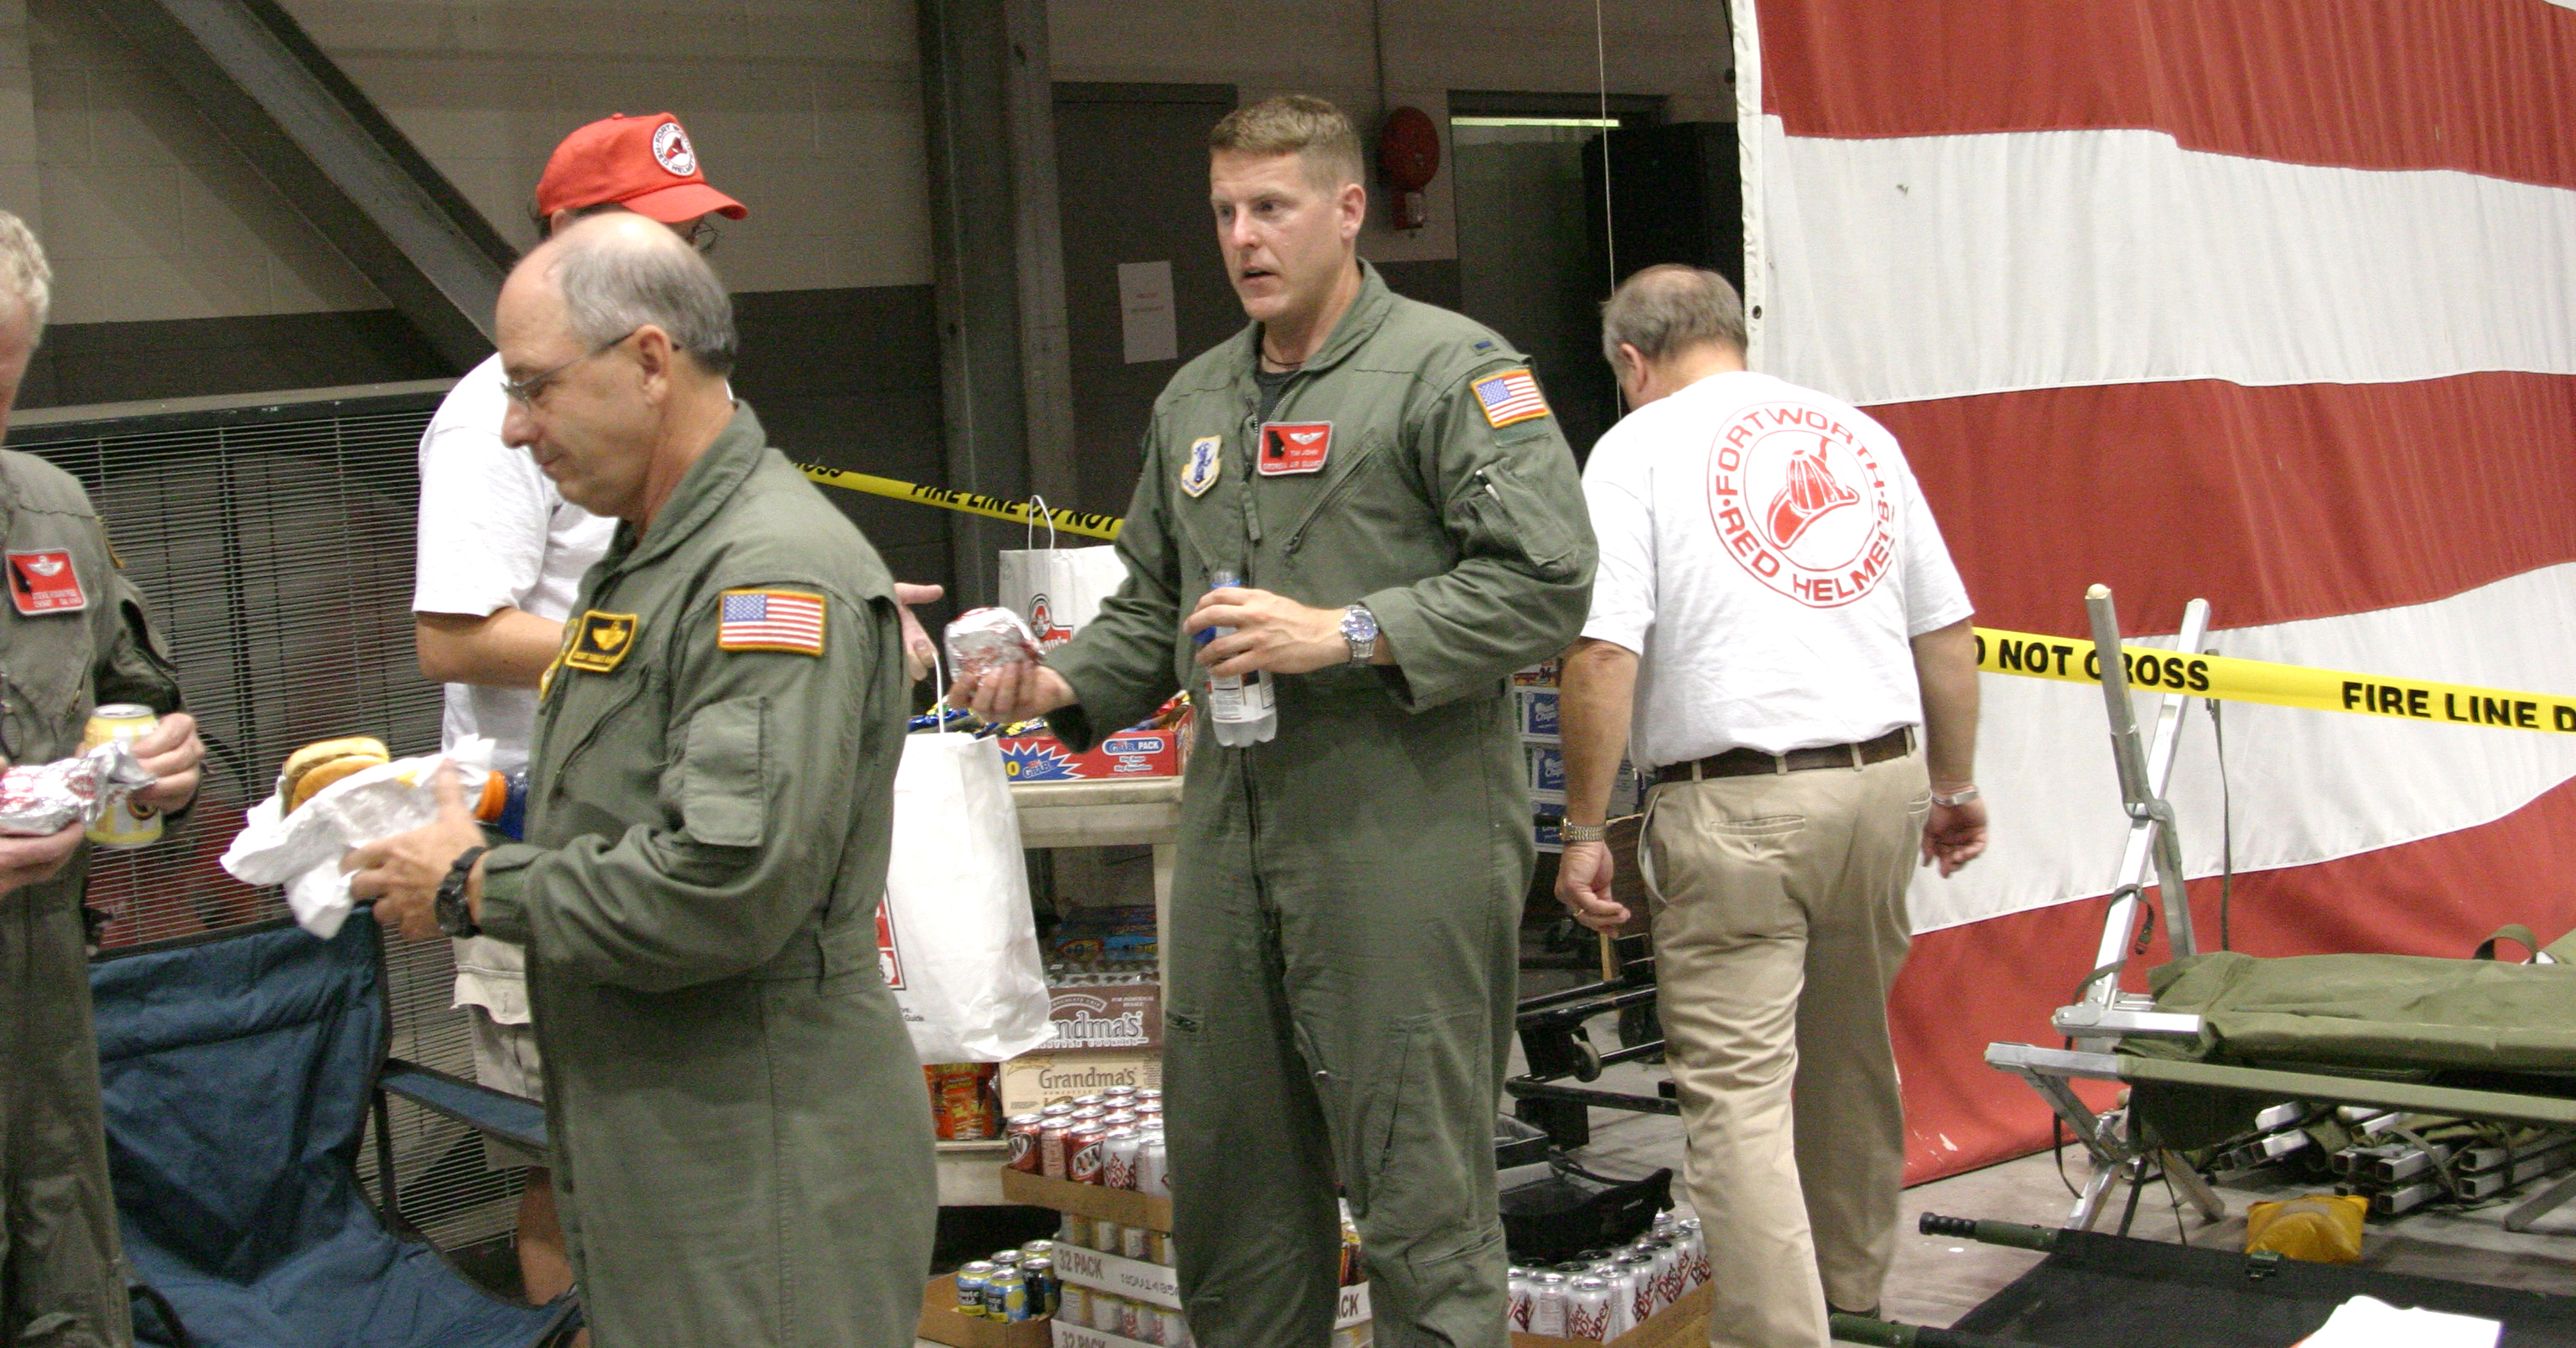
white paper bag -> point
(956, 935)
(1058, 589)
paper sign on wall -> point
(1145, 311)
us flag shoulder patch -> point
(769, 620)
(1509, 397)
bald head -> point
(618, 272)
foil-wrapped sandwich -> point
(983, 640)
(50, 797)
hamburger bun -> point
(316, 766)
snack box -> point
(1129, 754)
(1111, 1016)
(1535, 709)
(1546, 772)
(1033, 1081)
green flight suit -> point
(740, 1136)
(62, 1277)
(1346, 905)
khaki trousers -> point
(1779, 920)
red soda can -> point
(1054, 1155)
(1022, 1131)
(1083, 1154)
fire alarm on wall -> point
(1408, 153)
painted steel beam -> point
(307, 129)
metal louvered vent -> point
(273, 542)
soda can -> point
(1052, 1152)
(1107, 1309)
(1665, 1221)
(1006, 1296)
(1132, 1242)
(1055, 1111)
(1118, 1093)
(1088, 1101)
(1158, 1248)
(1040, 1273)
(120, 826)
(1107, 1236)
(1144, 1093)
(1168, 1329)
(1695, 1248)
(1083, 1158)
(1004, 1258)
(1118, 1158)
(1149, 1109)
(1154, 1167)
(1087, 1114)
(1121, 1118)
(1623, 1299)
(1022, 1132)
(1587, 1310)
(1073, 1304)
(1131, 1319)
(1547, 1305)
(1639, 1270)
(1519, 1282)
(1037, 1249)
(1076, 1231)
(1669, 1275)
(970, 1287)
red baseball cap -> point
(645, 164)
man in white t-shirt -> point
(1776, 614)
(501, 554)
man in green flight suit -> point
(740, 1136)
(73, 635)
(1387, 480)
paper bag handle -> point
(1038, 510)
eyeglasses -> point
(702, 235)
(525, 392)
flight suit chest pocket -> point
(722, 792)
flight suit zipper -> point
(1341, 487)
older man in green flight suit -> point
(1404, 512)
(739, 1131)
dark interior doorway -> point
(1131, 173)
(1535, 258)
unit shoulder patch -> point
(1508, 397)
(770, 620)
(600, 641)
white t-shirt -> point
(1766, 553)
(494, 534)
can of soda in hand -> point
(971, 1281)
(1587, 1309)
(121, 825)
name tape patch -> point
(1289, 447)
(45, 582)
(769, 620)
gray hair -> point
(615, 282)
(1669, 307)
(24, 276)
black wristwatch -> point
(455, 917)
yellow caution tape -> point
(2028, 654)
(2235, 680)
(972, 503)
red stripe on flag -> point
(2483, 86)
(2275, 504)
(1966, 987)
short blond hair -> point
(1298, 124)
(24, 276)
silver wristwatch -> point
(1359, 628)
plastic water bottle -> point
(1244, 706)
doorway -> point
(1144, 285)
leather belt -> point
(1896, 743)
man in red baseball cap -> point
(643, 164)
(501, 554)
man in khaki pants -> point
(1776, 612)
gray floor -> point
(1935, 1281)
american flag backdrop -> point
(2270, 304)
